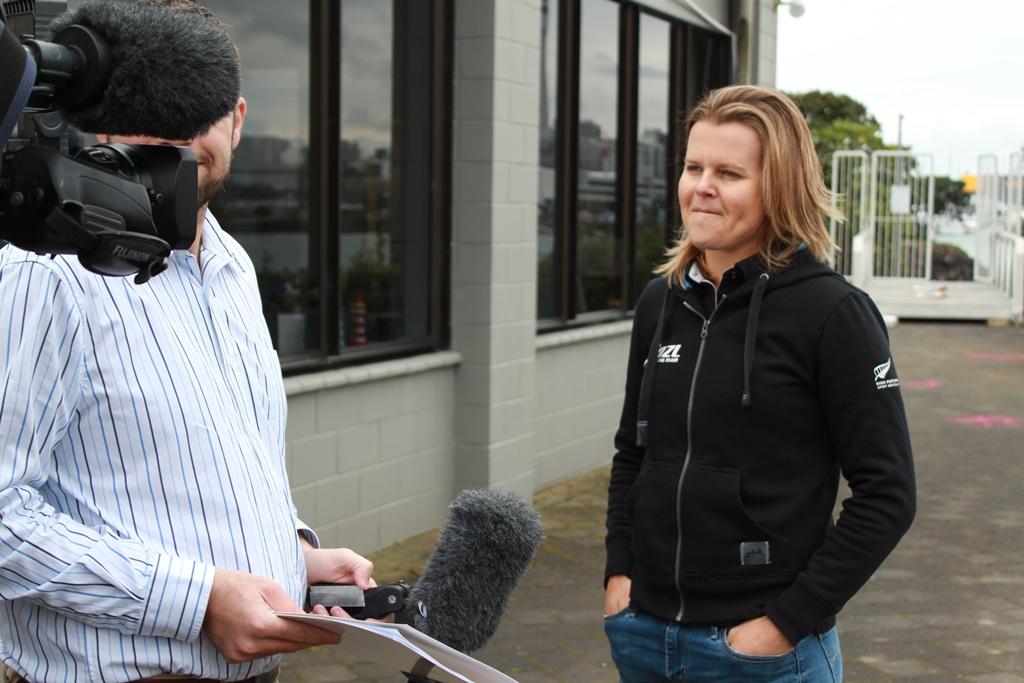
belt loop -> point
(714, 633)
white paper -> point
(401, 646)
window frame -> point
(325, 164)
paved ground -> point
(948, 605)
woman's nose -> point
(705, 184)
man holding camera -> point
(147, 530)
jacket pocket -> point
(651, 505)
(719, 536)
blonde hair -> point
(793, 191)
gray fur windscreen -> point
(174, 74)
(488, 540)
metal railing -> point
(849, 200)
(900, 213)
(1007, 268)
(888, 212)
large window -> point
(339, 185)
(608, 148)
(385, 179)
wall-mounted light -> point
(796, 7)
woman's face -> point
(720, 192)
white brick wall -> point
(494, 210)
(580, 381)
(370, 462)
(766, 43)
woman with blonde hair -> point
(756, 376)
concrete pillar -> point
(494, 240)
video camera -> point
(120, 208)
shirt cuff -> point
(178, 596)
(308, 535)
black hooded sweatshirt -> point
(725, 477)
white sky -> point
(953, 68)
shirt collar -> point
(215, 244)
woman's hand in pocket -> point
(759, 637)
(616, 594)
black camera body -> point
(120, 208)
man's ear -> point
(236, 122)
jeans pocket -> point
(621, 613)
(755, 659)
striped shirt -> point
(141, 445)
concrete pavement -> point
(948, 605)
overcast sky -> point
(953, 68)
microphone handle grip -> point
(335, 595)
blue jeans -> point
(650, 650)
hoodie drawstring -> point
(750, 339)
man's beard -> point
(212, 186)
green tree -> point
(950, 196)
(838, 122)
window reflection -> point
(652, 160)
(385, 170)
(547, 268)
(598, 266)
(265, 205)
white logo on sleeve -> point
(669, 354)
(882, 379)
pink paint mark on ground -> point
(1011, 357)
(922, 383)
(987, 421)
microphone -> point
(172, 74)
(16, 79)
(488, 539)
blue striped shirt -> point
(141, 445)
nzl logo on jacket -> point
(882, 379)
(669, 353)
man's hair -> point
(793, 192)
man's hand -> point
(240, 624)
(337, 565)
(759, 637)
(616, 594)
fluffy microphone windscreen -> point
(487, 541)
(174, 73)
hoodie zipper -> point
(689, 448)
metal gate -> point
(849, 200)
(986, 199)
(1015, 195)
(901, 198)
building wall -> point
(494, 240)
(580, 380)
(369, 449)
(766, 50)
